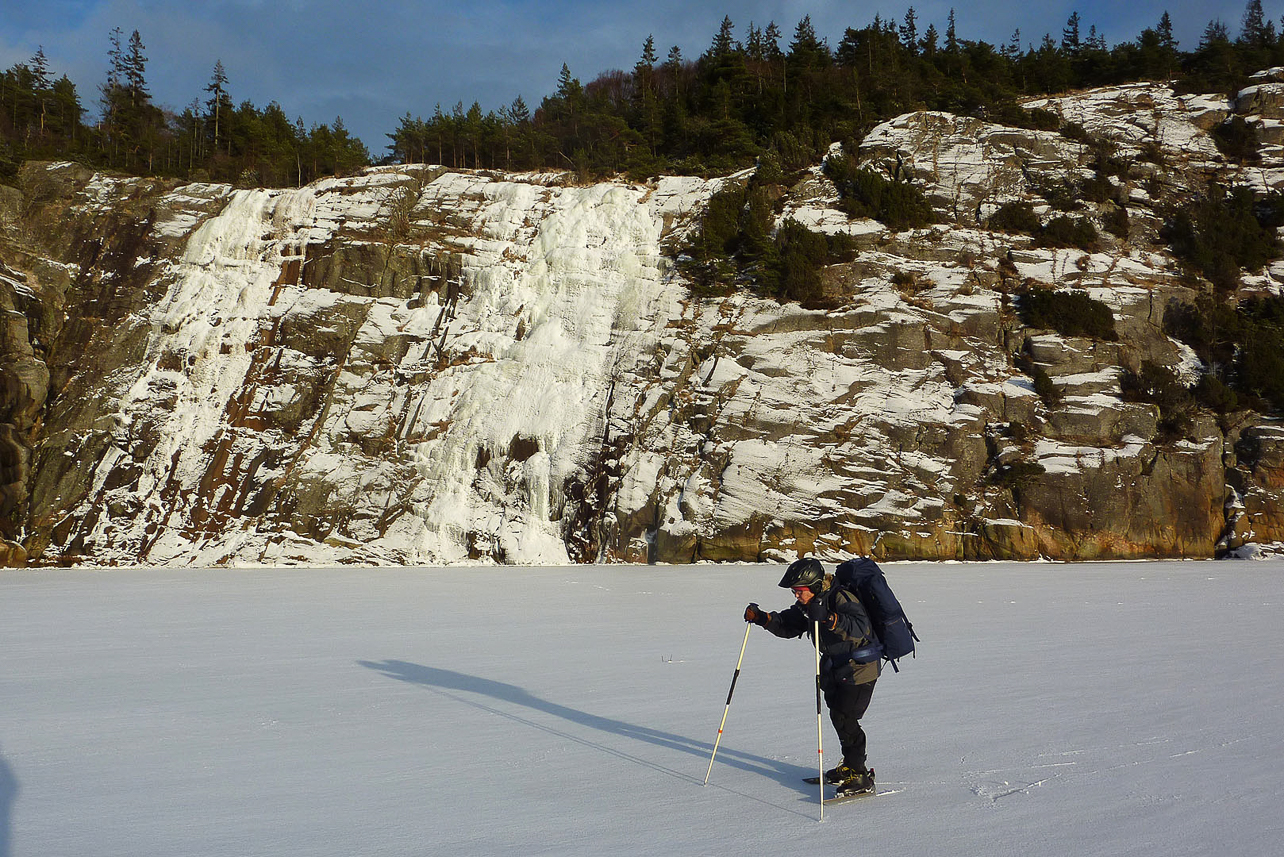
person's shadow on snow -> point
(452, 683)
(8, 794)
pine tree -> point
(135, 65)
(909, 31)
(67, 110)
(755, 48)
(568, 101)
(771, 42)
(1257, 32)
(648, 55)
(806, 50)
(723, 43)
(39, 66)
(1167, 46)
(928, 42)
(645, 103)
(219, 104)
(1095, 40)
(674, 66)
(951, 37)
(519, 112)
(1070, 36)
(111, 94)
(439, 132)
(1012, 50)
(1165, 31)
(138, 120)
(115, 59)
(1214, 34)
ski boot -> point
(841, 774)
(858, 782)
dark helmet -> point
(804, 572)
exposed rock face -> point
(427, 367)
(24, 385)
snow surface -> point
(1054, 709)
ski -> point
(848, 797)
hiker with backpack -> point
(851, 647)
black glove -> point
(816, 610)
(754, 614)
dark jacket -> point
(851, 632)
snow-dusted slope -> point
(422, 365)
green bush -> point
(1225, 232)
(1238, 141)
(1269, 210)
(895, 202)
(1248, 449)
(801, 254)
(1115, 221)
(1061, 194)
(769, 169)
(1045, 388)
(1259, 363)
(1105, 162)
(1241, 347)
(1210, 392)
(1209, 326)
(1067, 231)
(1011, 113)
(1098, 188)
(720, 226)
(1160, 386)
(1070, 313)
(734, 246)
(1016, 216)
(1153, 152)
(1017, 475)
(1075, 131)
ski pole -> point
(734, 677)
(820, 730)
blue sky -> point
(373, 61)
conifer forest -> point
(755, 91)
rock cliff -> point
(425, 366)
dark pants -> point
(847, 704)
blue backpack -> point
(895, 634)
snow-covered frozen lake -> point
(1101, 709)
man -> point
(849, 665)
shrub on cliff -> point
(1238, 141)
(1045, 388)
(1065, 231)
(1160, 386)
(895, 202)
(1015, 216)
(1242, 348)
(1115, 220)
(1259, 363)
(1070, 313)
(734, 246)
(1226, 231)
